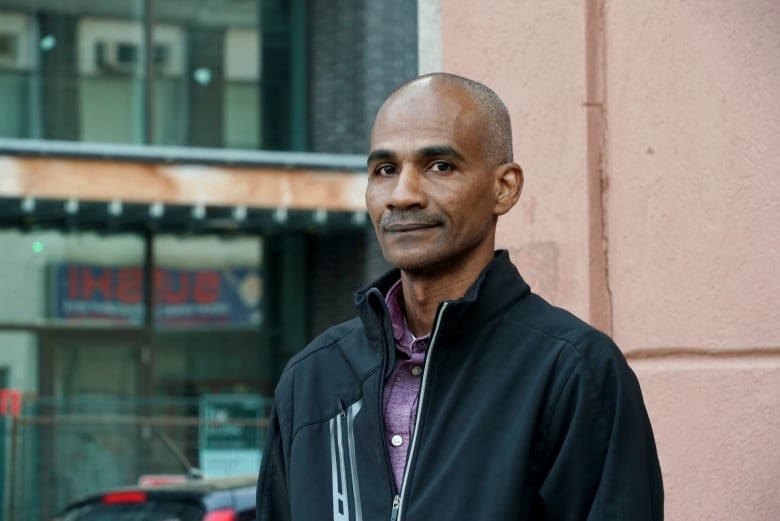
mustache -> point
(409, 216)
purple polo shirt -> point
(402, 387)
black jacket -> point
(525, 413)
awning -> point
(121, 188)
(30, 213)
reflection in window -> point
(299, 75)
(49, 276)
(80, 72)
(16, 67)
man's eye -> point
(441, 167)
(385, 170)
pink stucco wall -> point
(525, 53)
(650, 138)
(694, 163)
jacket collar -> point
(497, 287)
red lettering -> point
(73, 281)
(206, 287)
(172, 295)
(12, 397)
(129, 288)
(100, 280)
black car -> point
(228, 499)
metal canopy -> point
(119, 217)
(129, 188)
(181, 155)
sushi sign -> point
(182, 296)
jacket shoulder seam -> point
(581, 362)
(316, 349)
(330, 414)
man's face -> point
(431, 193)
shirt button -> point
(416, 370)
(396, 441)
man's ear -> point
(509, 184)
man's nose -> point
(408, 190)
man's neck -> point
(424, 293)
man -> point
(457, 394)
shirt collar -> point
(405, 340)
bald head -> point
(492, 111)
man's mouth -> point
(407, 227)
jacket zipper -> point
(398, 501)
(396, 506)
(380, 409)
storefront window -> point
(208, 282)
(292, 75)
(209, 334)
(16, 66)
(165, 72)
(145, 326)
(192, 364)
(19, 361)
(51, 277)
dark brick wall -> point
(359, 52)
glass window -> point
(19, 361)
(207, 282)
(52, 277)
(192, 363)
(16, 68)
(298, 75)
(209, 335)
(167, 72)
(109, 76)
(102, 368)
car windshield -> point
(148, 511)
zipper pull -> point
(396, 505)
(341, 409)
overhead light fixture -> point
(239, 213)
(115, 208)
(28, 204)
(48, 42)
(280, 215)
(198, 211)
(71, 206)
(359, 218)
(156, 210)
(320, 216)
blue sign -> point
(182, 297)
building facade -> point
(648, 138)
(231, 167)
(181, 209)
(173, 166)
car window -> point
(148, 511)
